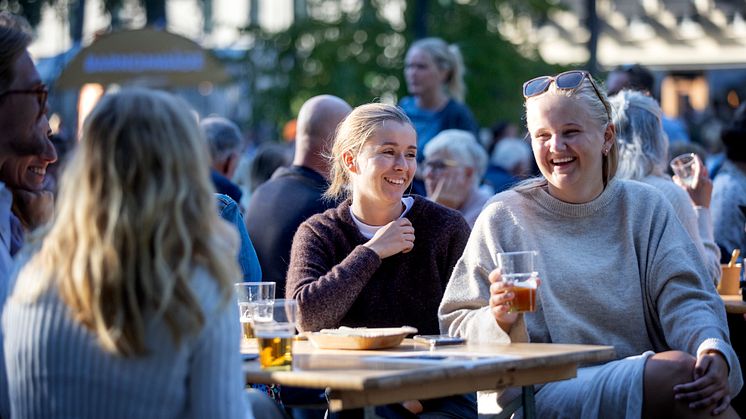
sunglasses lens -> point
(569, 80)
(536, 86)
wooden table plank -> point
(364, 378)
(734, 304)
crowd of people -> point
(116, 289)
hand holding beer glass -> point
(518, 272)
(255, 300)
(275, 338)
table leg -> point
(529, 403)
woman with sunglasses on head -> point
(643, 156)
(359, 265)
(617, 269)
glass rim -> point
(690, 156)
(235, 284)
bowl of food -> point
(360, 337)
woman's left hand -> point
(710, 385)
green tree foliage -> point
(355, 54)
(359, 56)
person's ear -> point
(349, 161)
(609, 137)
(469, 171)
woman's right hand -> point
(395, 237)
(501, 299)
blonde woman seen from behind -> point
(123, 308)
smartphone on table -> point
(439, 340)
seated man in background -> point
(294, 193)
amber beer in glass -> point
(518, 269)
(254, 304)
(275, 338)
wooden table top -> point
(734, 304)
(364, 377)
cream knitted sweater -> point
(619, 270)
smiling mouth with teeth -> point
(562, 160)
(394, 181)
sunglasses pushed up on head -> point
(569, 80)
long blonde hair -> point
(136, 216)
(352, 133)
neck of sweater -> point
(547, 201)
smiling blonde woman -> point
(617, 268)
(359, 264)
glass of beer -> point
(518, 270)
(255, 301)
(275, 338)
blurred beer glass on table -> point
(275, 338)
(517, 269)
(683, 167)
(255, 300)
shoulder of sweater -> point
(640, 190)
(206, 290)
(329, 219)
(503, 199)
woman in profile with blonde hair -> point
(123, 307)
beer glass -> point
(255, 301)
(275, 338)
(517, 269)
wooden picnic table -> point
(734, 304)
(359, 378)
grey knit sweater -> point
(56, 368)
(619, 270)
(339, 282)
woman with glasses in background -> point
(617, 269)
(454, 166)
